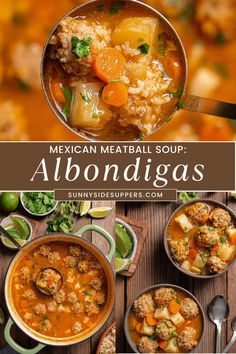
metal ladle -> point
(48, 290)
(233, 338)
(218, 311)
(188, 102)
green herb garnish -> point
(153, 336)
(60, 223)
(80, 47)
(85, 98)
(67, 208)
(161, 48)
(94, 116)
(68, 94)
(180, 105)
(39, 202)
(187, 196)
(177, 93)
(114, 9)
(144, 48)
(223, 239)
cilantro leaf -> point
(144, 48)
(85, 98)
(114, 9)
(80, 47)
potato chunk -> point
(171, 346)
(135, 30)
(146, 329)
(185, 265)
(226, 253)
(232, 234)
(88, 109)
(199, 261)
(184, 222)
(177, 319)
(162, 314)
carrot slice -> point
(233, 240)
(151, 321)
(115, 94)
(213, 250)
(109, 64)
(163, 344)
(192, 253)
(138, 327)
(58, 93)
(174, 307)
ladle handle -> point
(218, 339)
(231, 342)
(209, 106)
(10, 238)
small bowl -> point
(103, 336)
(34, 214)
(8, 219)
(132, 235)
(155, 287)
(214, 203)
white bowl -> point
(8, 220)
(34, 214)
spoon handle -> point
(218, 339)
(231, 342)
(6, 234)
(209, 106)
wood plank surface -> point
(155, 268)
(89, 346)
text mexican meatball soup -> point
(114, 70)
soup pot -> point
(155, 287)
(102, 259)
(214, 204)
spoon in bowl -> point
(49, 281)
(233, 338)
(218, 312)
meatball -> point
(12, 121)
(60, 296)
(54, 257)
(78, 308)
(25, 274)
(188, 308)
(179, 249)
(217, 18)
(75, 251)
(163, 296)
(29, 294)
(147, 345)
(72, 297)
(45, 326)
(44, 250)
(77, 327)
(28, 316)
(91, 309)
(198, 212)
(40, 309)
(84, 266)
(144, 305)
(52, 306)
(96, 283)
(215, 264)
(100, 298)
(165, 329)
(207, 236)
(220, 218)
(187, 339)
(70, 261)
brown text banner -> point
(117, 166)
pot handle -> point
(15, 345)
(103, 233)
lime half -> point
(84, 207)
(11, 245)
(123, 242)
(118, 254)
(21, 226)
(100, 212)
(121, 264)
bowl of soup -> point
(200, 238)
(114, 70)
(164, 319)
(82, 303)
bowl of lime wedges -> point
(126, 245)
(19, 228)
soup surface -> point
(202, 238)
(79, 303)
(165, 320)
(113, 75)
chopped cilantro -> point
(173, 334)
(178, 300)
(67, 93)
(161, 48)
(153, 336)
(223, 239)
(85, 98)
(187, 196)
(65, 109)
(114, 9)
(100, 8)
(180, 105)
(144, 48)
(177, 93)
(80, 47)
(221, 69)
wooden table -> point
(6, 255)
(155, 268)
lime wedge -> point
(123, 242)
(121, 264)
(21, 226)
(11, 245)
(14, 233)
(84, 207)
(100, 212)
(2, 317)
(118, 254)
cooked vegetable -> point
(174, 307)
(39, 202)
(138, 327)
(80, 47)
(163, 344)
(151, 321)
(115, 94)
(109, 64)
(58, 93)
(144, 48)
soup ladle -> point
(233, 338)
(185, 101)
(42, 283)
(218, 311)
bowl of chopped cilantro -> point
(38, 203)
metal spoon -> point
(233, 338)
(218, 311)
(42, 284)
(10, 238)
